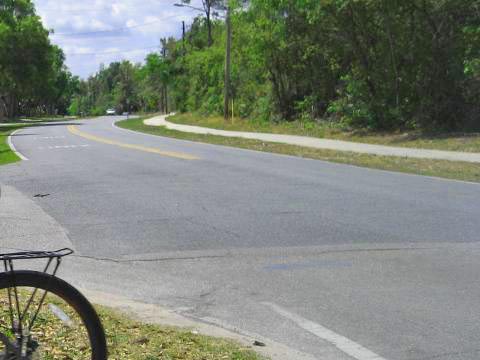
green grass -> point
(468, 142)
(50, 117)
(127, 339)
(35, 121)
(440, 168)
(7, 156)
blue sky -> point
(92, 32)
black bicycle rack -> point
(8, 259)
(28, 255)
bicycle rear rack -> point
(57, 255)
(36, 255)
(8, 259)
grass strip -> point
(468, 142)
(127, 339)
(439, 168)
(7, 156)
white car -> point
(111, 112)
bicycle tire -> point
(69, 294)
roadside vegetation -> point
(362, 66)
(393, 72)
(34, 79)
(453, 141)
(127, 339)
(439, 168)
(49, 118)
(7, 156)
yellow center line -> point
(74, 130)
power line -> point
(116, 29)
(75, 10)
(106, 8)
(113, 52)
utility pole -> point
(165, 85)
(208, 11)
(227, 92)
(183, 37)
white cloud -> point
(79, 50)
(118, 9)
(110, 26)
(99, 25)
(131, 23)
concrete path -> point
(11, 124)
(324, 143)
(36, 122)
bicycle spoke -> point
(5, 264)
(17, 303)
(36, 323)
(45, 270)
(28, 305)
(32, 320)
(10, 309)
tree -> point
(30, 66)
(158, 71)
(208, 7)
(125, 91)
(376, 64)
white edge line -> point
(114, 125)
(10, 143)
(344, 344)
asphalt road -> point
(335, 261)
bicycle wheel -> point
(61, 325)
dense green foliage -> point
(116, 86)
(372, 63)
(378, 64)
(33, 77)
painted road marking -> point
(10, 143)
(48, 137)
(344, 344)
(62, 147)
(74, 130)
